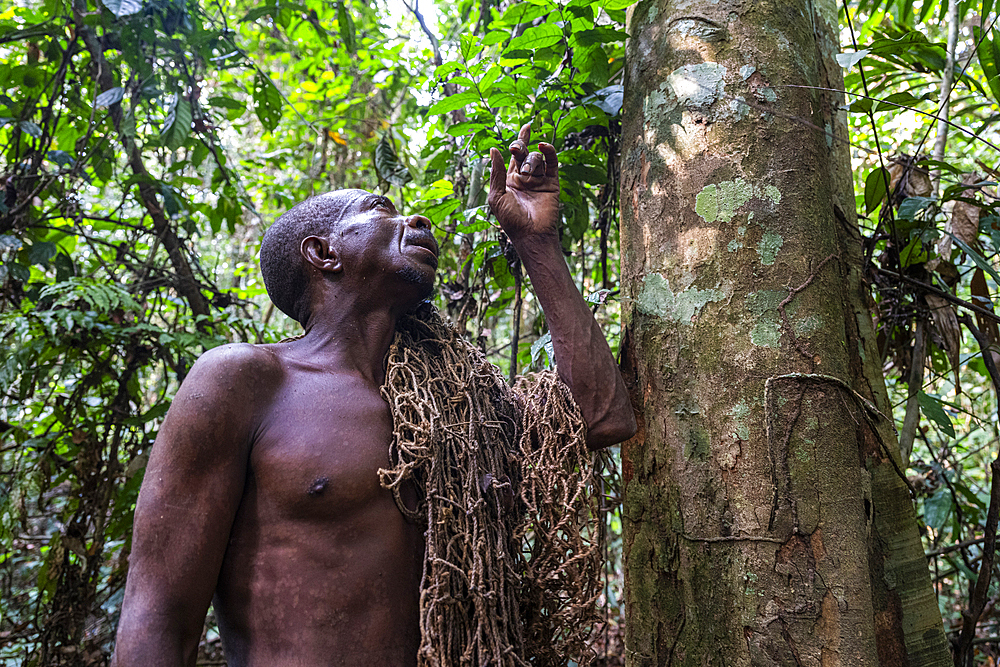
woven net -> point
(505, 484)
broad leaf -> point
(110, 96)
(387, 164)
(933, 410)
(347, 31)
(266, 102)
(875, 188)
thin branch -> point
(903, 106)
(977, 599)
(954, 547)
(947, 296)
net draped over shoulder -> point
(506, 489)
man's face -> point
(373, 239)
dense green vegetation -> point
(147, 144)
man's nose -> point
(418, 222)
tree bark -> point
(767, 520)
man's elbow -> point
(612, 430)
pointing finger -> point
(518, 151)
(498, 177)
(551, 159)
(524, 136)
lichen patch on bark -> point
(657, 299)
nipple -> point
(319, 486)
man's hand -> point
(525, 198)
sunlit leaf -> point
(347, 30)
(110, 96)
(267, 102)
(454, 102)
(875, 188)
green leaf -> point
(42, 252)
(875, 188)
(439, 212)
(347, 30)
(439, 188)
(543, 344)
(584, 173)
(914, 253)
(895, 101)
(444, 70)
(537, 37)
(387, 164)
(937, 508)
(979, 260)
(34, 129)
(849, 59)
(470, 46)
(453, 102)
(486, 83)
(110, 96)
(495, 37)
(987, 49)
(225, 102)
(122, 8)
(613, 5)
(912, 206)
(266, 102)
(862, 105)
(462, 129)
(177, 127)
(933, 410)
(522, 12)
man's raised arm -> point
(525, 200)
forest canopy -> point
(147, 144)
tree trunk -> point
(767, 521)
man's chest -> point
(319, 449)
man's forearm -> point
(584, 360)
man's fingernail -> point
(525, 168)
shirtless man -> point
(262, 488)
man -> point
(263, 487)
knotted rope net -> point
(506, 491)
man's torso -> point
(321, 567)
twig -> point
(516, 270)
(947, 296)
(954, 547)
(977, 600)
(792, 293)
(933, 116)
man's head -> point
(344, 232)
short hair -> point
(281, 263)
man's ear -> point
(318, 252)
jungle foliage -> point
(147, 144)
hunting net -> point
(506, 491)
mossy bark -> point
(766, 520)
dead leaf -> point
(916, 182)
(946, 326)
(981, 297)
(964, 223)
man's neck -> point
(346, 337)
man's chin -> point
(422, 280)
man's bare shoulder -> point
(237, 369)
(240, 358)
